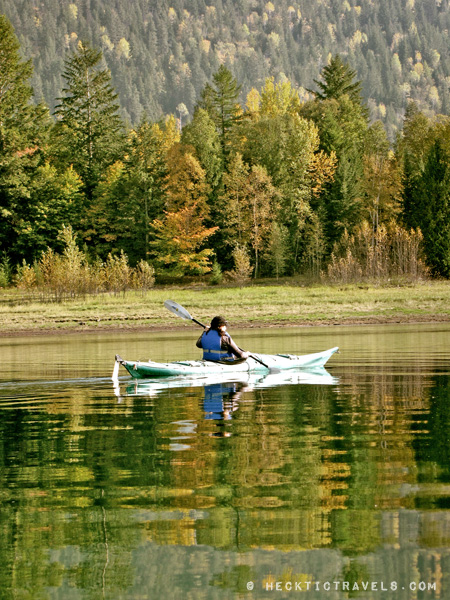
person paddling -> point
(217, 343)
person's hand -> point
(245, 354)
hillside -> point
(161, 53)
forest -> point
(275, 184)
(161, 54)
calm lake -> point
(331, 485)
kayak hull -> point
(202, 368)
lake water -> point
(336, 484)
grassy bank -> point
(272, 305)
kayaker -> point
(217, 343)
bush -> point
(69, 275)
(388, 252)
(26, 278)
(242, 268)
(143, 276)
(5, 272)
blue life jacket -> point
(211, 346)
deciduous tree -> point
(179, 236)
(382, 179)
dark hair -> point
(218, 322)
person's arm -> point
(228, 344)
(199, 341)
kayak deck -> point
(264, 363)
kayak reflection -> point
(222, 393)
(229, 386)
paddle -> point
(180, 311)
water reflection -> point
(155, 493)
(150, 387)
(222, 392)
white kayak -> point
(261, 363)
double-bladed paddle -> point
(180, 311)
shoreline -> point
(253, 307)
(128, 328)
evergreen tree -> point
(23, 128)
(131, 193)
(433, 207)
(338, 80)
(220, 100)
(89, 131)
(427, 196)
(342, 121)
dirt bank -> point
(132, 326)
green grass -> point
(262, 305)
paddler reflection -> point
(222, 399)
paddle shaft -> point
(198, 322)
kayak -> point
(256, 363)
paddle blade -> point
(177, 309)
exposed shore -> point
(262, 306)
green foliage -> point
(216, 274)
(131, 194)
(5, 271)
(277, 252)
(338, 81)
(88, 133)
(201, 134)
(342, 129)
(425, 152)
(220, 101)
(283, 179)
(23, 129)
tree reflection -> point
(350, 479)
